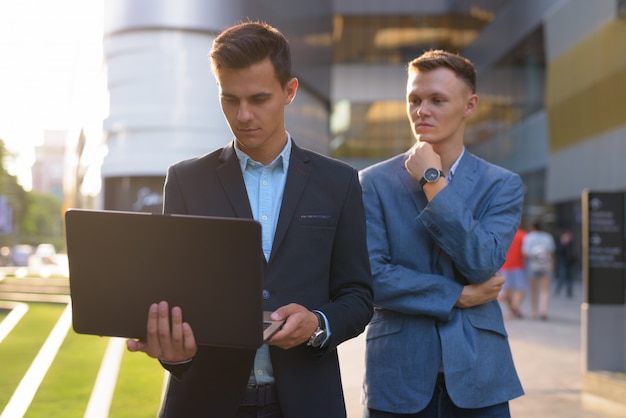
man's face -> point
(438, 103)
(253, 103)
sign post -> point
(604, 281)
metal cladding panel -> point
(195, 15)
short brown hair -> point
(247, 43)
(437, 58)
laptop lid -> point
(121, 262)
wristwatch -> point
(319, 335)
(431, 175)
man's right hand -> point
(170, 344)
(477, 294)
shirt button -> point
(266, 294)
(264, 183)
(264, 217)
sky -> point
(51, 73)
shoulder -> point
(473, 162)
(322, 165)
(307, 155)
(199, 162)
(384, 168)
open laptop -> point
(121, 262)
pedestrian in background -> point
(565, 262)
(538, 248)
(516, 283)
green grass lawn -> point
(21, 346)
(66, 388)
(139, 386)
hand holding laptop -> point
(172, 344)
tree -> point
(36, 217)
(42, 220)
(15, 198)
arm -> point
(176, 344)
(476, 231)
(399, 285)
(477, 294)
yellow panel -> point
(586, 88)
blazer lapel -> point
(465, 176)
(297, 177)
(234, 187)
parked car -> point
(46, 254)
(20, 254)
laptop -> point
(122, 262)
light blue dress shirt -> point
(265, 185)
(450, 175)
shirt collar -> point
(455, 165)
(282, 158)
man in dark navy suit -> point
(317, 273)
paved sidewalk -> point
(548, 359)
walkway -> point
(548, 360)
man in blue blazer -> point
(439, 224)
(316, 272)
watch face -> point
(318, 340)
(431, 174)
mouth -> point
(247, 130)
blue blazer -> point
(436, 248)
(319, 259)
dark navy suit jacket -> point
(319, 259)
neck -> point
(448, 153)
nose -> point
(243, 113)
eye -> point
(259, 99)
(229, 100)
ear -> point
(471, 105)
(292, 87)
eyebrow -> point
(260, 95)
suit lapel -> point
(465, 176)
(234, 187)
(297, 177)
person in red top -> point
(516, 285)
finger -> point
(152, 347)
(177, 327)
(189, 340)
(285, 311)
(135, 345)
(163, 327)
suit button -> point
(266, 294)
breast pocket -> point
(313, 220)
(488, 323)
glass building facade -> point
(549, 73)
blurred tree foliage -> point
(34, 217)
